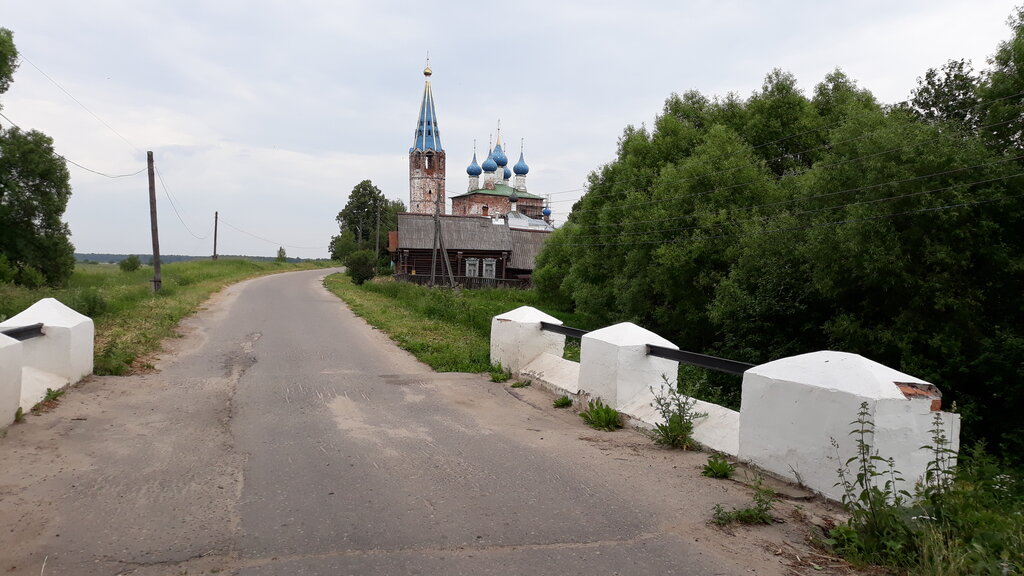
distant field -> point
(130, 319)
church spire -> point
(427, 136)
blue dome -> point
(490, 165)
(521, 168)
(507, 173)
(474, 168)
(499, 155)
(546, 211)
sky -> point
(271, 112)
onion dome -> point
(521, 169)
(513, 197)
(499, 155)
(474, 168)
(507, 173)
(546, 212)
(490, 165)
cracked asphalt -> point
(282, 435)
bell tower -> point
(426, 158)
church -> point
(496, 228)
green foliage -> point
(30, 277)
(365, 220)
(7, 272)
(562, 402)
(8, 59)
(718, 467)
(19, 415)
(130, 264)
(499, 374)
(359, 266)
(52, 394)
(778, 224)
(764, 499)
(520, 384)
(600, 416)
(282, 256)
(34, 191)
(965, 520)
(677, 415)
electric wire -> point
(167, 193)
(70, 161)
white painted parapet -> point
(614, 364)
(66, 348)
(10, 379)
(62, 355)
(516, 338)
(792, 407)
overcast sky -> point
(270, 112)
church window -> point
(490, 266)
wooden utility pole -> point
(437, 236)
(215, 235)
(157, 282)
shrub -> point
(7, 271)
(562, 402)
(129, 264)
(718, 467)
(760, 513)
(31, 277)
(359, 266)
(677, 415)
(89, 302)
(601, 416)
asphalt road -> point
(283, 435)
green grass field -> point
(130, 319)
(449, 331)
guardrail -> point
(23, 333)
(681, 356)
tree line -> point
(782, 223)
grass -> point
(520, 384)
(448, 330)
(760, 513)
(600, 416)
(562, 402)
(130, 319)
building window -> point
(485, 209)
(490, 266)
(472, 267)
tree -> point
(129, 264)
(34, 191)
(1002, 92)
(949, 94)
(360, 265)
(282, 256)
(358, 221)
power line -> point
(70, 161)
(167, 193)
(77, 101)
(228, 224)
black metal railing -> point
(700, 360)
(681, 356)
(23, 332)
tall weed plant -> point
(965, 518)
(677, 410)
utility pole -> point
(439, 240)
(437, 236)
(377, 242)
(215, 235)
(157, 282)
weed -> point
(601, 416)
(521, 384)
(52, 395)
(499, 374)
(677, 415)
(562, 402)
(19, 415)
(718, 467)
(760, 513)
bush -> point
(7, 271)
(601, 416)
(129, 264)
(89, 302)
(359, 266)
(31, 277)
(677, 415)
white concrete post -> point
(792, 407)
(66, 348)
(614, 364)
(10, 379)
(516, 338)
